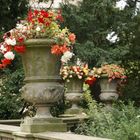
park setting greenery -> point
(91, 21)
(121, 122)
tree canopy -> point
(107, 34)
(11, 11)
(93, 20)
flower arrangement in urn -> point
(112, 71)
(79, 70)
(38, 24)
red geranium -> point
(56, 50)
(90, 80)
(19, 49)
(64, 48)
(72, 37)
(5, 62)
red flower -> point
(72, 37)
(19, 49)
(59, 16)
(8, 48)
(30, 16)
(5, 62)
(48, 23)
(1, 66)
(63, 49)
(20, 39)
(56, 50)
(44, 14)
(41, 20)
(90, 80)
(36, 12)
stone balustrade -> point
(8, 132)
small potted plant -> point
(109, 75)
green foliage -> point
(11, 11)
(120, 122)
(92, 21)
(10, 98)
(132, 87)
(11, 77)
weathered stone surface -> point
(108, 90)
(38, 62)
(36, 125)
(14, 122)
(13, 133)
(65, 136)
(42, 92)
(74, 89)
(43, 85)
(6, 132)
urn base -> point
(36, 125)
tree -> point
(11, 11)
(93, 21)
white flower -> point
(38, 29)
(121, 4)
(2, 48)
(78, 62)
(112, 37)
(19, 26)
(9, 55)
(66, 56)
(10, 41)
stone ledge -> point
(64, 136)
(14, 122)
(13, 132)
(9, 128)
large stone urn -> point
(43, 85)
(108, 90)
(74, 90)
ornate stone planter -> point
(74, 90)
(108, 90)
(42, 85)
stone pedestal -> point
(74, 90)
(36, 125)
(42, 87)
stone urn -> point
(74, 90)
(108, 90)
(43, 85)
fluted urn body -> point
(108, 90)
(42, 81)
(42, 87)
(74, 90)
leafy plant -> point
(120, 121)
(10, 98)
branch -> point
(52, 1)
